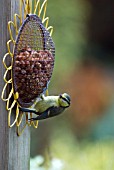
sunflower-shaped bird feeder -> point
(32, 61)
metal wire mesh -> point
(33, 60)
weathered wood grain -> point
(14, 150)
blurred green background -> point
(82, 137)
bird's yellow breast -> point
(46, 103)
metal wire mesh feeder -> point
(32, 60)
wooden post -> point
(14, 150)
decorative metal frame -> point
(26, 7)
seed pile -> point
(32, 71)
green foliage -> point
(85, 156)
(69, 154)
(68, 19)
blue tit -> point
(49, 106)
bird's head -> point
(64, 100)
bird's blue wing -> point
(52, 111)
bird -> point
(49, 106)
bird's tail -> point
(42, 116)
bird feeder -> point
(32, 54)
